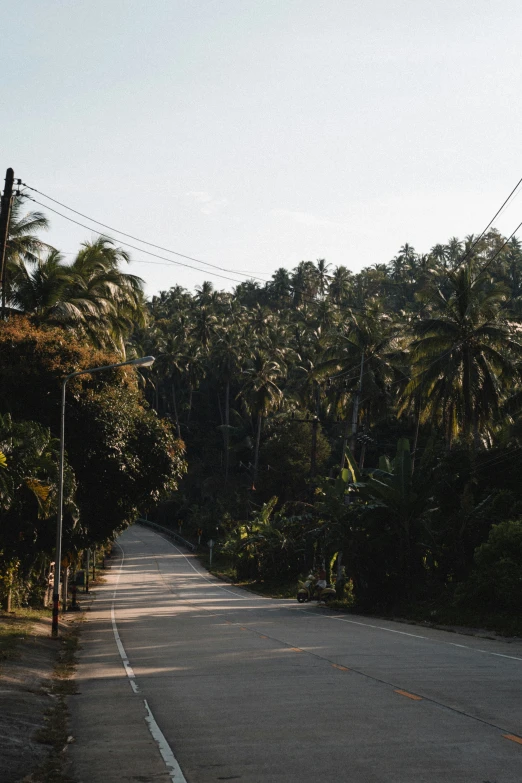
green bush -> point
(496, 580)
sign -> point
(210, 543)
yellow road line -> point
(513, 738)
(243, 629)
(409, 695)
(341, 668)
(263, 637)
(296, 649)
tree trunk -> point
(175, 406)
(256, 455)
(355, 412)
(345, 442)
(190, 405)
(227, 432)
(416, 438)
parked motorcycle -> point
(310, 591)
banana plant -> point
(391, 484)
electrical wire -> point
(127, 244)
(310, 300)
(143, 241)
(499, 251)
(495, 216)
(224, 269)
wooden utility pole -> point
(5, 217)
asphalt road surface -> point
(185, 678)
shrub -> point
(496, 580)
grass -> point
(16, 627)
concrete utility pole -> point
(5, 217)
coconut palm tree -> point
(41, 285)
(229, 352)
(463, 356)
(90, 296)
(323, 277)
(261, 393)
(340, 284)
(23, 245)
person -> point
(320, 582)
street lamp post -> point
(144, 361)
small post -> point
(211, 547)
(87, 571)
(65, 585)
(94, 564)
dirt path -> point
(25, 683)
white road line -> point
(172, 765)
(119, 645)
(418, 636)
(501, 655)
(173, 768)
(345, 620)
(199, 573)
(376, 627)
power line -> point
(310, 300)
(471, 249)
(143, 241)
(139, 249)
(499, 251)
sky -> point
(255, 134)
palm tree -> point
(340, 284)
(204, 325)
(280, 287)
(261, 394)
(323, 277)
(361, 351)
(228, 355)
(109, 302)
(23, 245)
(39, 287)
(463, 356)
(91, 296)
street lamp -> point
(144, 361)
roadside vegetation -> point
(367, 423)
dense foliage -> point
(413, 372)
(121, 458)
(367, 421)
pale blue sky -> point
(257, 134)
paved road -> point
(230, 686)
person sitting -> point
(320, 582)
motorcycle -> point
(309, 591)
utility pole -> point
(5, 216)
